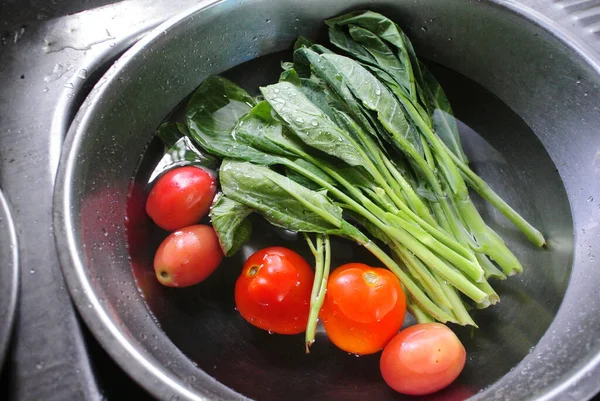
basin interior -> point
(202, 321)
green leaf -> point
(213, 112)
(279, 199)
(258, 127)
(169, 133)
(302, 180)
(229, 219)
(376, 96)
(343, 41)
(444, 122)
(290, 75)
(310, 123)
(385, 58)
(302, 42)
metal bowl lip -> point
(158, 381)
(11, 269)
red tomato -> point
(273, 291)
(422, 359)
(364, 308)
(181, 197)
(187, 256)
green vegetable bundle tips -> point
(360, 144)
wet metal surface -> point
(47, 66)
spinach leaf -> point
(302, 180)
(229, 219)
(280, 200)
(310, 123)
(385, 59)
(257, 127)
(169, 133)
(376, 96)
(182, 151)
(213, 112)
(290, 75)
(343, 41)
(302, 42)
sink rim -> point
(155, 378)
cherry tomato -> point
(187, 256)
(422, 359)
(364, 308)
(181, 197)
(273, 290)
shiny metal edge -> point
(157, 380)
(11, 279)
(587, 378)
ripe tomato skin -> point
(181, 197)
(364, 308)
(422, 359)
(273, 290)
(187, 256)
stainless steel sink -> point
(48, 67)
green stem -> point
(420, 207)
(456, 303)
(322, 254)
(415, 309)
(418, 270)
(489, 242)
(399, 234)
(483, 189)
(445, 162)
(473, 270)
(491, 271)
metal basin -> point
(530, 108)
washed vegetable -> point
(364, 308)
(181, 197)
(422, 359)
(273, 290)
(363, 146)
(359, 142)
(187, 256)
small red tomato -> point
(273, 291)
(422, 359)
(187, 256)
(181, 197)
(364, 308)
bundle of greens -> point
(362, 145)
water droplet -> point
(32, 271)
(590, 199)
(377, 91)
(424, 29)
(69, 85)
(268, 20)
(39, 366)
(82, 74)
(299, 120)
(45, 90)
(578, 81)
(276, 90)
(314, 122)
(270, 332)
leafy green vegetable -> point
(229, 219)
(280, 200)
(309, 123)
(368, 135)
